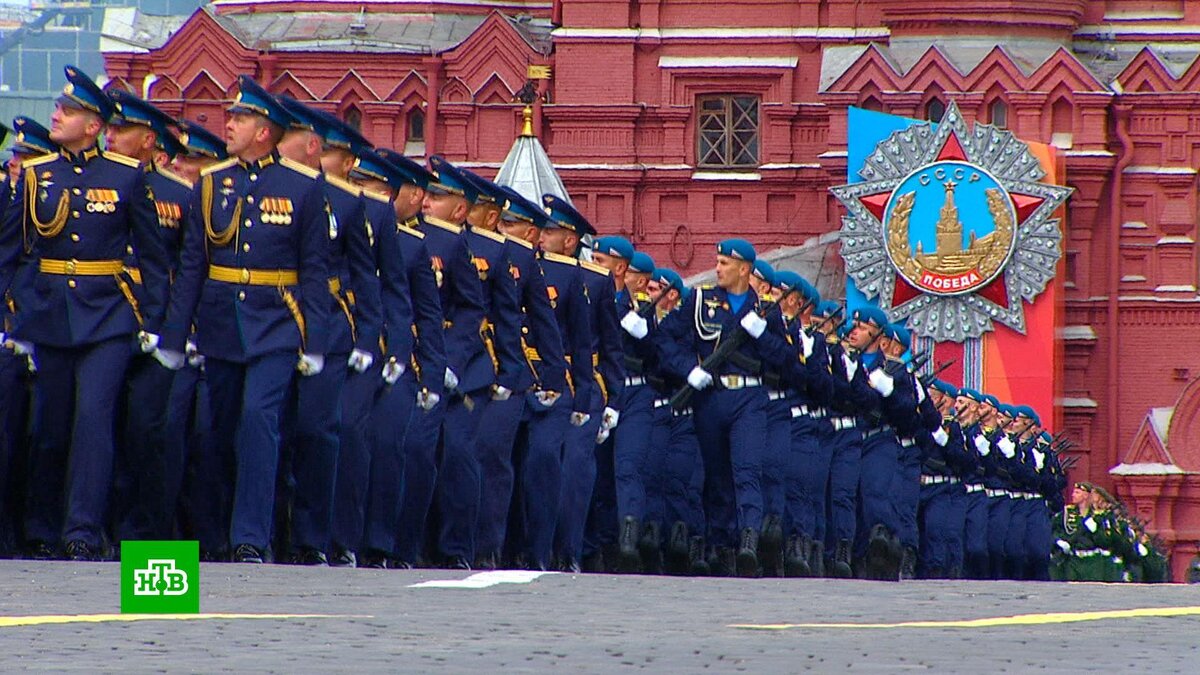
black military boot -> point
(878, 561)
(747, 555)
(908, 564)
(697, 561)
(841, 560)
(593, 562)
(770, 547)
(628, 559)
(723, 561)
(678, 554)
(650, 549)
(794, 564)
(816, 558)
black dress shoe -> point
(311, 557)
(247, 553)
(373, 560)
(747, 555)
(398, 564)
(459, 562)
(40, 550)
(343, 558)
(486, 561)
(593, 563)
(569, 565)
(81, 551)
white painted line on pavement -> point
(483, 579)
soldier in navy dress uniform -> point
(354, 308)
(77, 212)
(731, 403)
(199, 149)
(412, 387)
(140, 508)
(254, 278)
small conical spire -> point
(527, 122)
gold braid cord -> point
(225, 236)
(130, 298)
(897, 242)
(59, 221)
(294, 308)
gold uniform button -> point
(249, 222)
(245, 276)
(246, 247)
(241, 295)
(128, 250)
(75, 191)
(74, 214)
(253, 176)
(71, 283)
(249, 199)
(74, 236)
(78, 170)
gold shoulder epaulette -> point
(122, 159)
(343, 184)
(494, 236)
(38, 161)
(174, 176)
(598, 269)
(408, 230)
(208, 170)
(519, 241)
(371, 194)
(564, 259)
(299, 168)
(437, 222)
(707, 287)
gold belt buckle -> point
(245, 276)
(733, 381)
(70, 266)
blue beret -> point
(563, 215)
(737, 248)
(32, 138)
(449, 180)
(641, 263)
(810, 292)
(897, 332)
(1047, 437)
(81, 92)
(1028, 411)
(1008, 409)
(844, 329)
(253, 99)
(515, 207)
(870, 314)
(668, 277)
(991, 400)
(196, 140)
(129, 109)
(763, 270)
(945, 387)
(618, 247)
(788, 280)
(971, 394)
(827, 308)
(412, 172)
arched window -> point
(935, 110)
(416, 126)
(353, 117)
(998, 114)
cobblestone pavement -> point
(591, 623)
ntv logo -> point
(160, 577)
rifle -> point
(725, 349)
(821, 326)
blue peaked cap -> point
(253, 99)
(83, 93)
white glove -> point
(851, 366)
(602, 435)
(920, 390)
(19, 347)
(1142, 550)
(941, 437)
(451, 380)
(194, 358)
(392, 370)
(699, 379)
(1007, 447)
(547, 399)
(311, 364)
(610, 418)
(983, 446)
(882, 382)
(168, 359)
(1090, 524)
(31, 363)
(360, 360)
(754, 324)
(147, 341)
(1066, 548)
(1039, 459)
(501, 393)
(635, 325)
(806, 344)
(579, 419)
(426, 400)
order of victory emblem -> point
(951, 228)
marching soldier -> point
(254, 277)
(77, 211)
(731, 408)
(199, 150)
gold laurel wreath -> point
(897, 243)
(997, 246)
